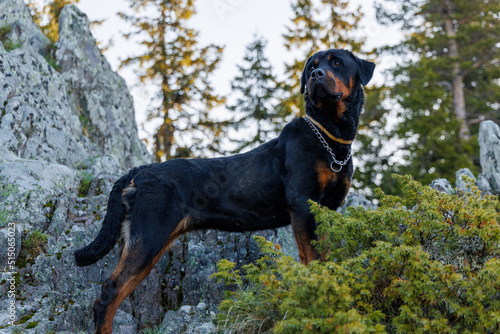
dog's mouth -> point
(320, 93)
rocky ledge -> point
(67, 132)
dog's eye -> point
(337, 63)
(311, 68)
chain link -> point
(327, 147)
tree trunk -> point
(167, 129)
(457, 75)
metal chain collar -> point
(327, 147)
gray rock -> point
(15, 14)
(124, 323)
(102, 96)
(461, 179)
(483, 185)
(356, 200)
(106, 165)
(489, 153)
(442, 185)
(45, 153)
(193, 259)
(188, 320)
(37, 119)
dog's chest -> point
(325, 175)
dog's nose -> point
(317, 73)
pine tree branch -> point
(485, 58)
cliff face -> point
(65, 116)
(67, 132)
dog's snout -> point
(318, 73)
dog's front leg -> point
(304, 229)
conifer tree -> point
(255, 106)
(172, 60)
(446, 81)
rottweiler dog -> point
(268, 187)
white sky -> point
(231, 23)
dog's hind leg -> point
(155, 222)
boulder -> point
(38, 121)
(442, 185)
(105, 105)
(16, 19)
(354, 199)
(464, 179)
(489, 153)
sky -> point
(231, 23)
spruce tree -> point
(255, 106)
(446, 81)
(172, 60)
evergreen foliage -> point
(375, 154)
(255, 106)
(172, 60)
(445, 83)
(423, 262)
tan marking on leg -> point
(128, 286)
(181, 228)
(347, 183)
(299, 246)
(125, 236)
(307, 253)
(131, 283)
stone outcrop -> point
(464, 178)
(442, 185)
(489, 154)
(15, 15)
(67, 132)
(104, 108)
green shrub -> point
(4, 217)
(35, 243)
(84, 187)
(425, 262)
(7, 43)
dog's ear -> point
(303, 79)
(365, 69)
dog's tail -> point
(111, 227)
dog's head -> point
(331, 78)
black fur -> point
(111, 226)
(265, 188)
